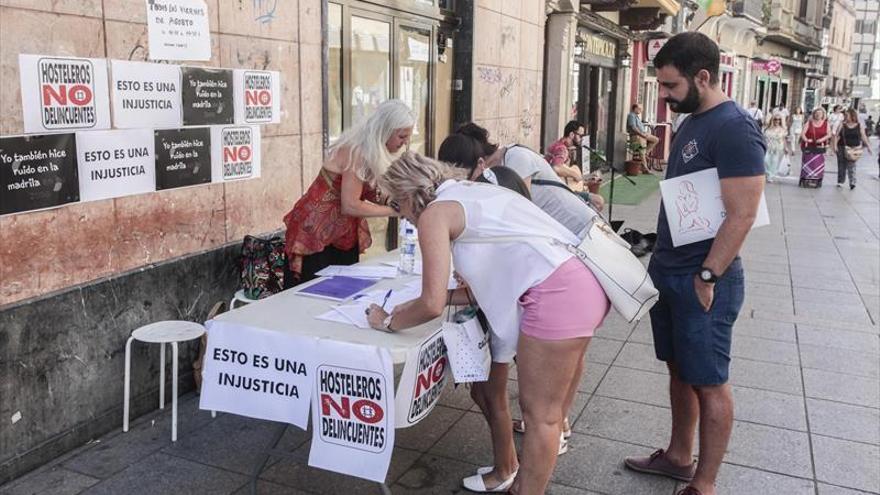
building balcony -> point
(784, 28)
(753, 9)
(662, 7)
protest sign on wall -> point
(258, 373)
(145, 95)
(257, 97)
(235, 152)
(207, 96)
(353, 410)
(422, 382)
(115, 163)
(37, 172)
(183, 157)
(59, 94)
(178, 30)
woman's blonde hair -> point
(365, 141)
(417, 177)
(818, 109)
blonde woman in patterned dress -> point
(777, 146)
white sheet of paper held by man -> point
(694, 209)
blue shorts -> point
(696, 342)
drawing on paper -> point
(688, 205)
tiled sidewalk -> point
(805, 375)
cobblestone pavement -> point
(805, 376)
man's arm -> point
(741, 197)
(564, 171)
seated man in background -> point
(559, 155)
(636, 129)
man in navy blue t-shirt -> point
(701, 284)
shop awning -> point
(670, 7)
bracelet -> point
(386, 324)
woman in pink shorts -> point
(542, 303)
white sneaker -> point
(840, 184)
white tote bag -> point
(467, 346)
(784, 167)
(622, 276)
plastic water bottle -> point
(407, 244)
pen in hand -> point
(385, 301)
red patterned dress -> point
(316, 222)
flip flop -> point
(476, 484)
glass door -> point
(370, 73)
(413, 67)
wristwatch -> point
(707, 276)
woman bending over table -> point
(544, 311)
(328, 225)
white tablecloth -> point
(290, 312)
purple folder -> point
(338, 287)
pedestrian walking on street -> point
(796, 127)
(755, 113)
(850, 142)
(814, 145)
(777, 146)
(701, 284)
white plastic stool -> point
(240, 297)
(163, 332)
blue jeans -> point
(697, 342)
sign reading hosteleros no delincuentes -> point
(183, 157)
(236, 152)
(353, 410)
(424, 376)
(37, 172)
(63, 93)
(257, 97)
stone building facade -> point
(76, 280)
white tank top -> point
(498, 273)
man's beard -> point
(689, 104)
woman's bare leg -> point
(543, 390)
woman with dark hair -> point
(469, 148)
(848, 142)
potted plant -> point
(636, 163)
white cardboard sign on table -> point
(145, 95)
(60, 94)
(258, 373)
(257, 96)
(115, 163)
(353, 410)
(178, 30)
(235, 152)
(424, 377)
(694, 209)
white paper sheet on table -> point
(354, 313)
(360, 271)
